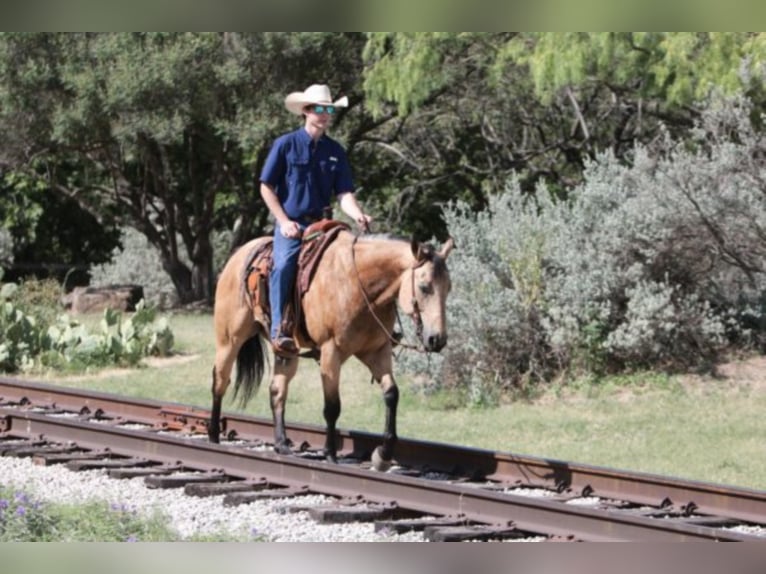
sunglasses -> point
(317, 109)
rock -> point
(90, 299)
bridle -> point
(417, 318)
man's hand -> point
(363, 221)
(290, 229)
(351, 207)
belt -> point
(308, 219)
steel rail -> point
(570, 478)
(479, 505)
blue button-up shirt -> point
(306, 178)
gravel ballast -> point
(189, 516)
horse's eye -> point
(425, 288)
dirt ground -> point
(749, 371)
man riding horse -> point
(350, 305)
(304, 170)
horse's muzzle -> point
(435, 342)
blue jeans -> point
(282, 277)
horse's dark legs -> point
(224, 363)
(331, 414)
(214, 424)
(391, 400)
(284, 370)
(330, 363)
(380, 365)
(384, 454)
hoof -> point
(283, 449)
(330, 456)
(378, 462)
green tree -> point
(166, 132)
(675, 68)
(477, 107)
(48, 235)
(162, 132)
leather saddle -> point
(316, 238)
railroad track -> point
(448, 492)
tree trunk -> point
(197, 283)
(202, 276)
(180, 275)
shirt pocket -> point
(298, 171)
(328, 170)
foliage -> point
(159, 131)
(474, 108)
(6, 250)
(32, 342)
(678, 68)
(164, 131)
(657, 263)
(137, 263)
(38, 296)
(49, 235)
(23, 519)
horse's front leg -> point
(381, 367)
(284, 370)
(329, 366)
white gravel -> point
(189, 516)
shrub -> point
(496, 340)
(21, 518)
(32, 341)
(658, 263)
(137, 263)
(6, 250)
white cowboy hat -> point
(314, 94)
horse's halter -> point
(416, 316)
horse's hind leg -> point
(284, 370)
(330, 363)
(381, 366)
(225, 356)
(233, 328)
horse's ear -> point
(417, 249)
(448, 246)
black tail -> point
(251, 366)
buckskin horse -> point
(349, 309)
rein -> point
(416, 316)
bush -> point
(6, 250)
(658, 264)
(137, 263)
(32, 341)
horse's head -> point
(423, 293)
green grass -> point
(23, 519)
(652, 423)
